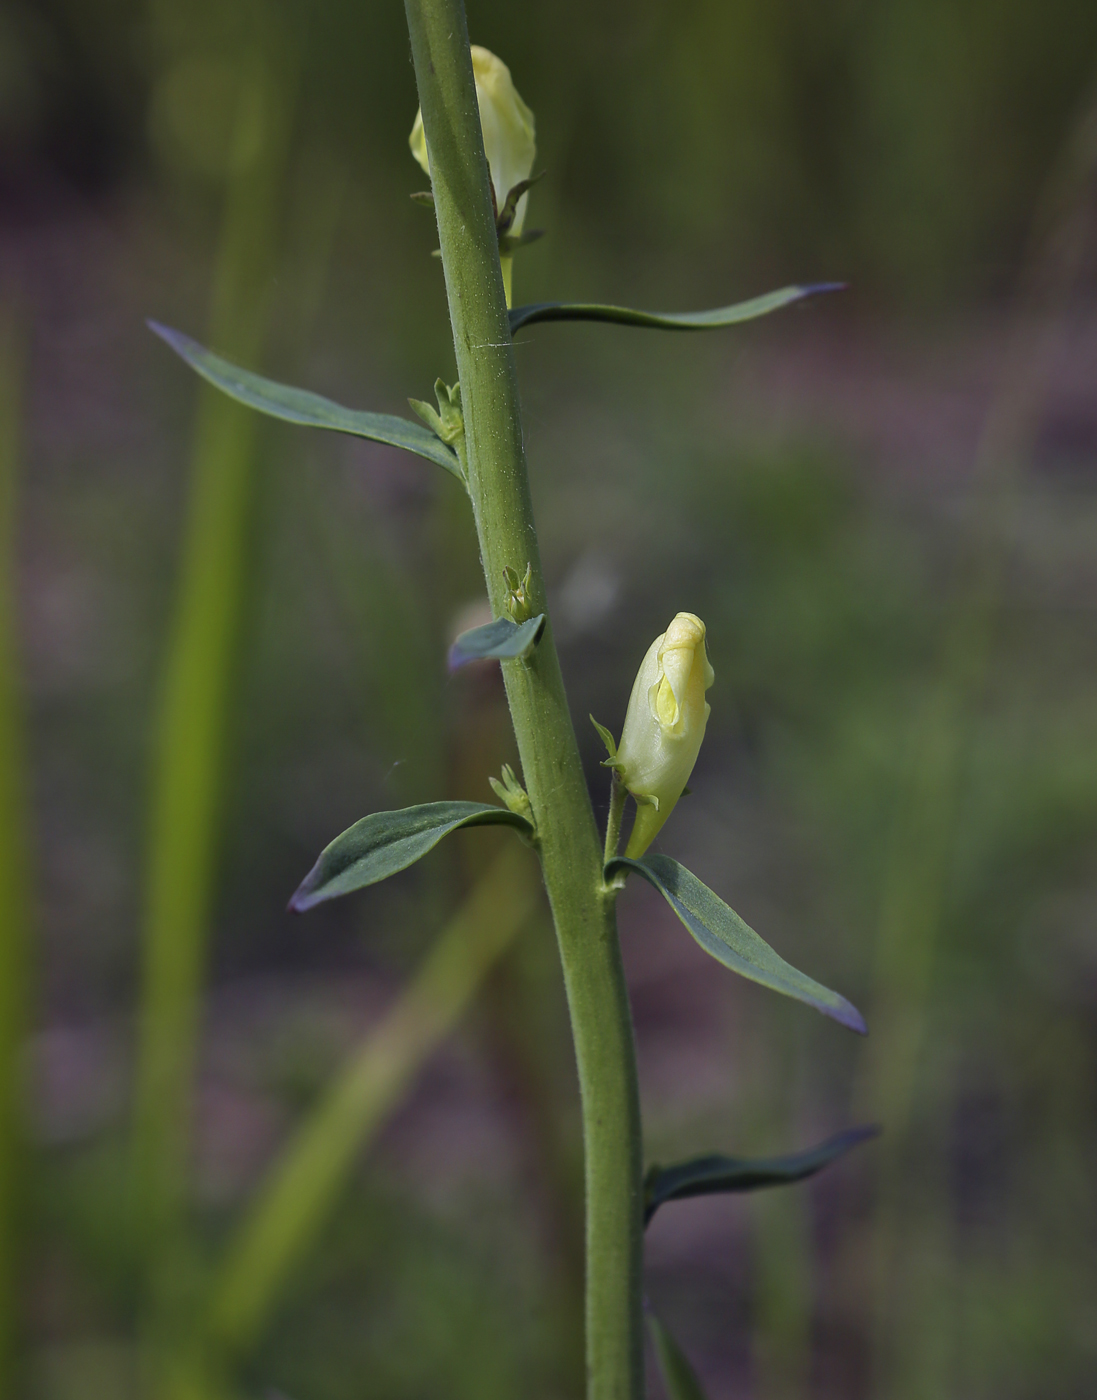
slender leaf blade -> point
(306, 408)
(501, 640)
(723, 934)
(714, 319)
(679, 1378)
(385, 843)
(716, 1174)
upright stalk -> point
(571, 858)
(195, 706)
(15, 892)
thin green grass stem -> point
(15, 846)
(196, 696)
(306, 1179)
(571, 853)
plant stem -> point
(583, 907)
(15, 861)
(617, 794)
(195, 705)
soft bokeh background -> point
(884, 505)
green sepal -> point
(509, 243)
(610, 743)
(385, 843)
(505, 216)
(716, 1174)
(668, 321)
(724, 935)
(428, 414)
(501, 640)
(308, 409)
(678, 1376)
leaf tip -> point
(182, 344)
(846, 1014)
(815, 289)
(304, 896)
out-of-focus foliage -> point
(901, 144)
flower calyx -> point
(507, 224)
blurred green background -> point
(223, 640)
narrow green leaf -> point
(311, 410)
(721, 932)
(667, 321)
(386, 842)
(716, 1174)
(679, 1378)
(501, 640)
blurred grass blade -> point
(501, 640)
(14, 864)
(723, 934)
(304, 1182)
(716, 1174)
(384, 843)
(668, 321)
(310, 410)
(679, 1378)
(197, 686)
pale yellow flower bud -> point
(664, 725)
(508, 127)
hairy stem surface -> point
(571, 858)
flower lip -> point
(676, 660)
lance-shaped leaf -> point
(668, 321)
(679, 1378)
(386, 842)
(311, 410)
(501, 640)
(716, 1174)
(721, 932)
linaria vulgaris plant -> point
(475, 137)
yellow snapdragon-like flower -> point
(664, 725)
(509, 137)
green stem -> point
(306, 1178)
(618, 793)
(15, 891)
(583, 907)
(195, 704)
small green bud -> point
(518, 603)
(513, 795)
(664, 726)
(448, 422)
